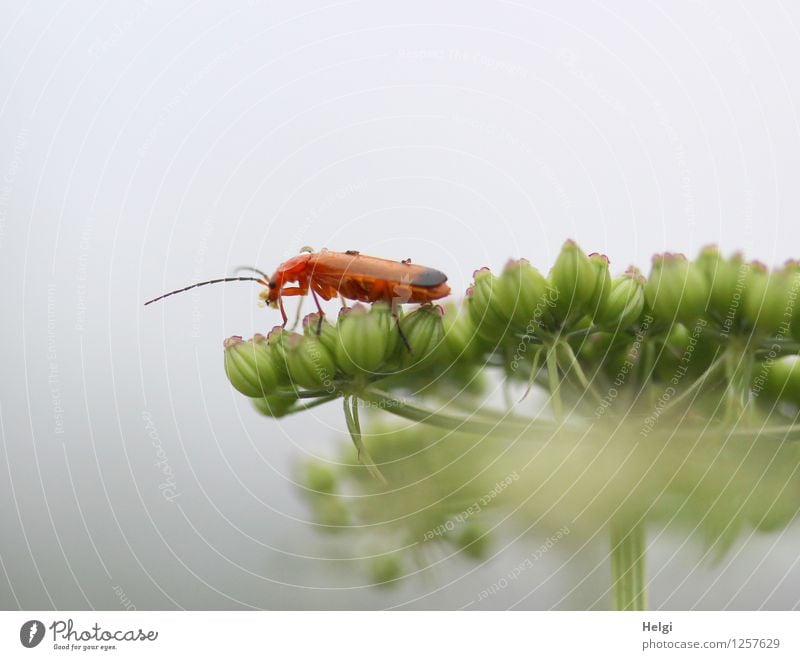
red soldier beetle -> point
(350, 275)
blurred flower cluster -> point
(672, 398)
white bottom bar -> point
(400, 635)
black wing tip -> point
(429, 277)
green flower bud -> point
(239, 369)
(594, 348)
(459, 334)
(329, 510)
(474, 541)
(617, 357)
(668, 359)
(367, 338)
(424, 332)
(676, 289)
(385, 569)
(686, 353)
(485, 308)
(726, 279)
(602, 286)
(524, 296)
(791, 271)
(766, 300)
(778, 380)
(310, 363)
(625, 301)
(276, 405)
(575, 278)
(327, 334)
(252, 366)
(319, 478)
(274, 349)
(709, 259)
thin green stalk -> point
(697, 384)
(574, 365)
(534, 371)
(506, 381)
(583, 332)
(313, 394)
(628, 566)
(354, 426)
(554, 382)
(313, 404)
(644, 373)
(787, 345)
(738, 372)
(730, 388)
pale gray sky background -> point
(146, 145)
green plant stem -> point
(628, 566)
(784, 431)
(506, 426)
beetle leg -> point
(283, 310)
(291, 291)
(396, 317)
(294, 291)
(319, 309)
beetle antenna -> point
(221, 279)
(251, 269)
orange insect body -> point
(354, 276)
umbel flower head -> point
(550, 331)
(522, 314)
(668, 397)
